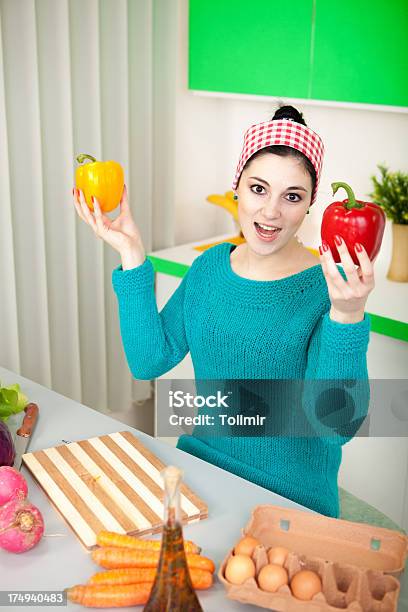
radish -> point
(21, 525)
(12, 482)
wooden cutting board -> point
(111, 482)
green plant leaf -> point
(5, 411)
(12, 401)
(391, 193)
(9, 396)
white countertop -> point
(388, 299)
(61, 561)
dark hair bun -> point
(289, 112)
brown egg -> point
(271, 577)
(305, 584)
(277, 555)
(246, 546)
(239, 568)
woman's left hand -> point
(348, 298)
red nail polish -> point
(92, 198)
(358, 247)
(337, 240)
(325, 246)
(320, 250)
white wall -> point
(209, 135)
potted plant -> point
(391, 193)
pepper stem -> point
(352, 202)
(83, 156)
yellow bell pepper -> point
(103, 180)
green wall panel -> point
(238, 46)
(350, 51)
(361, 52)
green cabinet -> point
(353, 51)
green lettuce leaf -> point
(12, 401)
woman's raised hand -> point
(348, 298)
(121, 233)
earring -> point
(235, 196)
(308, 211)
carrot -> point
(201, 579)
(111, 538)
(198, 562)
(108, 596)
(113, 557)
(125, 575)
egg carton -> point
(359, 565)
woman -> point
(265, 309)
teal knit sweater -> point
(238, 328)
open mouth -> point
(266, 231)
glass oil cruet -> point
(172, 590)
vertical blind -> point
(77, 76)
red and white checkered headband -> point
(282, 132)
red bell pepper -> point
(355, 221)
